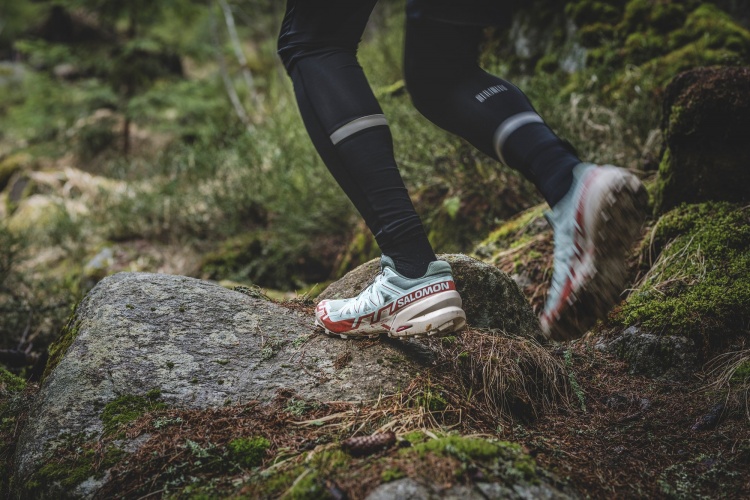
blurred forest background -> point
(164, 137)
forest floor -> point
(623, 436)
(640, 437)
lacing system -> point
(364, 301)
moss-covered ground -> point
(639, 45)
(522, 246)
(697, 281)
(622, 443)
(15, 398)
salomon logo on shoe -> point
(425, 292)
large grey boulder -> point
(202, 346)
(491, 299)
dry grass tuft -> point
(503, 377)
(731, 372)
(400, 413)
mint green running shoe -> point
(400, 306)
(595, 225)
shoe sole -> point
(433, 316)
(613, 219)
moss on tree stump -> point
(705, 124)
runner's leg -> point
(318, 45)
(447, 85)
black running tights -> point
(318, 45)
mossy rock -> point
(661, 39)
(263, 258)
(11, 165)
(643, 15)
(705, 123)
(699, 285)
(14, 403)
(643, 46)
(665, 357)
(419, 470)
(710, 23)
(361, 248)
(585, 12)
(491, 299)
(594, 35)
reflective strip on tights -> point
(357, 125)
(509, 126)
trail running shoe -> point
(595, 225)
(400, 306)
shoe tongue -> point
(386, 261)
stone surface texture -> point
(669, 357)
(201, 345)
(408, 488)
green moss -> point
(700, 284)
(306, 486)
(432, 399)
(594, 35)
(389, 475)
(508, 458)
(448, 340)
(643, 15)
(13, 403)
(272, 484)
(715, 28)
(10, 383)
(462, 447)
(585, 12)
(128, 408)
(511, 232)
(667, 16)
(303, 476)
(10, 166)
(248, 452)
(75, 460)
(661, 38)
(643, 46)
(415, 437)
(741, 374)
(305, 481)
(636, 16)
(58, 348)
